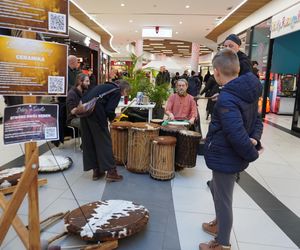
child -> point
(233, 140)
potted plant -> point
(141, 83)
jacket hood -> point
(247, 87)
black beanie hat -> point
(234, 38)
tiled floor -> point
(178, 207)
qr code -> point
(57, 22)
(56, 84)
(50, 133)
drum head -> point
(183, 123)
(173, 128)
(157, 121)
(107, 220)
(165, 140)
(47, 163)
(121, 124)
(145, 126)
(190, 133)
(10, 176)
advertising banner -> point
(32, 67)
(286, 22)
(45, 16)
(32, 122)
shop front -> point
(283, 84)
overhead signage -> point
(39, 16)
(32, 122)
(286, 22)
(32, 67)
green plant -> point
(141, 83)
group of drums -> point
(155, 149)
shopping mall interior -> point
(114, 39)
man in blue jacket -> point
(233, 140)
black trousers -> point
(96, 146)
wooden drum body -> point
(139, 146)
(119, 138)
(186, 148)
(163, 158)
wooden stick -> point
(18, 225)
(108, 245)
(9, 190)
(18, 196)
(51, 220)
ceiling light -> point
(229, 14)
(146, 45)
(130, 21)
(122, 4)
(187, 6)
(180, 22)
(183, 46)
(136, 31)
(158, 44)
(176, 32)
(176, 42)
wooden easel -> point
(28, 184)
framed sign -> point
(32, 122)
(32, 67)
(38, 16)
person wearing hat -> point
(234, 42)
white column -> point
(195, 57)
(139, 52)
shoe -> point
(112, 175)
(213, 245)
(97, 174)
(211, 228)
(208, 183)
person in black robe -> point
(96, 139)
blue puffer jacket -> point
(235, 119)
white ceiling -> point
(197, 21)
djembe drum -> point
(157, 121)
(119, 138)
(171, 130)
(186, 148)
(106, 220)
(139, 146)
(162, 165)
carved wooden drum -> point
(186, 148)
(171, 130)
(10, 176)
(157, 121)
(139, 146)
(107, 220)
(162, 165)
(119, 138)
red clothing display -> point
(182, 107)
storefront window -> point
(260, 47)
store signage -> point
(33, 122)
(286, 22)
(32, 67)
(40, 16)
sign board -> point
(32, 67)
(43, 16)
(32, 122)
(286, 22)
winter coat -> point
(194, 86)
(235, 120)
(245, 63)
(73, 99)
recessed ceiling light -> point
(136, 31)
(180, 22)
(130, 21)
(122, 4)
(187, 6)
(229, 8)
(176, 32)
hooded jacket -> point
(245, 63)
(235, 120)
